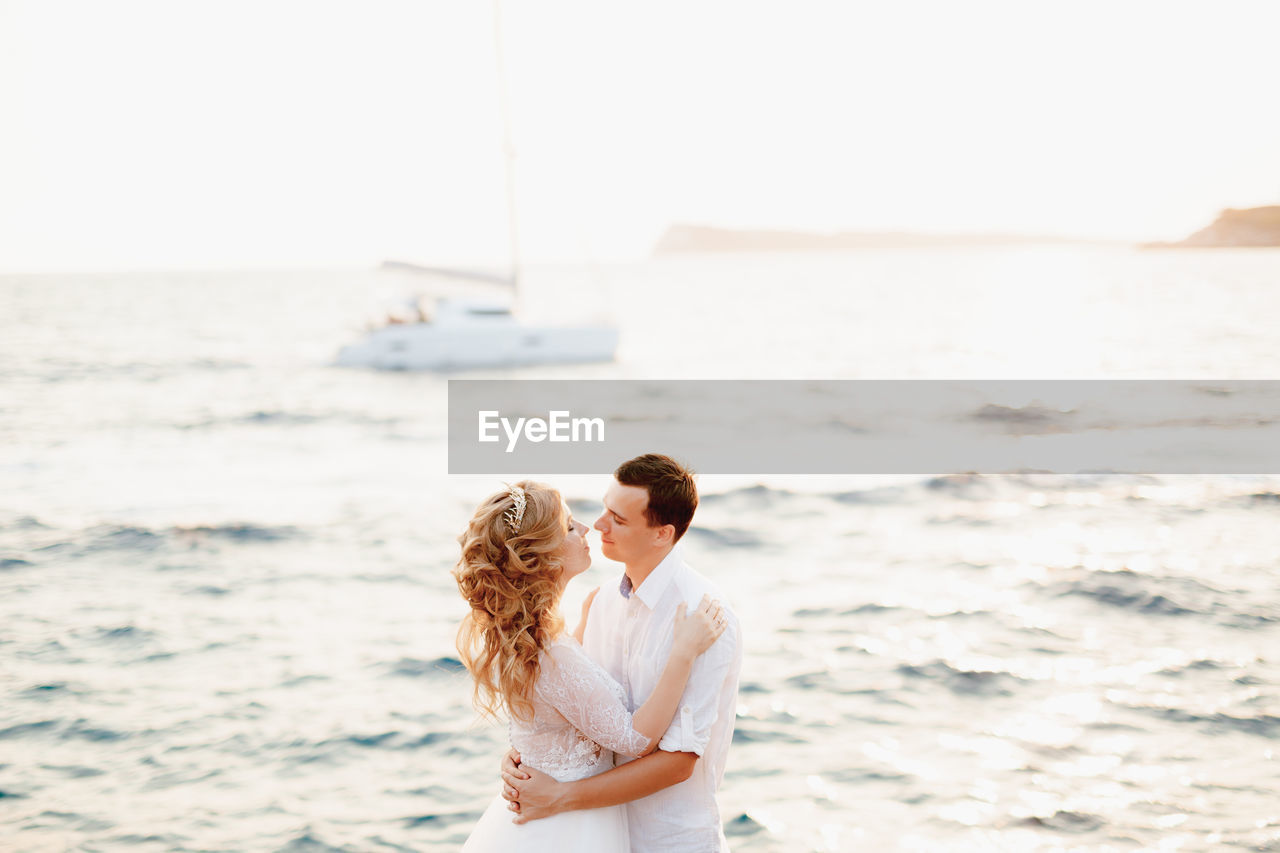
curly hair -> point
(511, 579)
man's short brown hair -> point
(672, 494)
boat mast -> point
(508, 151)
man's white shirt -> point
(629, 633)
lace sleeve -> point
(589, 699)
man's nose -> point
(599, 525)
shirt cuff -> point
(681, 736)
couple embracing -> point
(620, 729)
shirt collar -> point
(659, 579)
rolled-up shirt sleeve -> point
(690, 729)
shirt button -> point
(687, 709)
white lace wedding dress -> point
(579, 721)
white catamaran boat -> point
(462, 332)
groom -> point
(670, 794)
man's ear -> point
(664, 535)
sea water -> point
(227, 618)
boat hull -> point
(426, 346)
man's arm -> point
(535, 795)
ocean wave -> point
(385, 577)
(1264, 725)
(173, 842)
(51, 369)
(78, 729)
(1014, 485)
(438, 793)
(74, 771)
(725, 537)
(818, 680)
(23, 522)
(208, 589)
(1251, 618)
(374, 740)
(1150, 594)
(742, 826)
(962, 520)
(968, 564)
(121, 537)
(194, 536)
(1066, 821)
(239, 532)
(81, 730)
(967, 486)
(327, 750)
(415, 821)
(585, 510)
(743, 734)
(879, 495)
(123, 632)
(963, 681)
(838, 424)
(1198, 664)
(309, 843)
(1024, 420)
(757, 496)
(965, 614)
(49, 650)
(1159, 595)
(870, 607)
(108, 538)
(855, 776)
(24, 729)
(277, 417)
(418, 667)
(1140, 601)
(82, 823)
(48, 688)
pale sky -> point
(175, 134)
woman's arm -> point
(584, 695)
(581, 630)
(694, 634)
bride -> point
(566, 713)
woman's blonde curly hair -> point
(511, 579)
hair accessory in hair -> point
(515, 515)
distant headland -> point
(703, 238)
(1252, 227)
